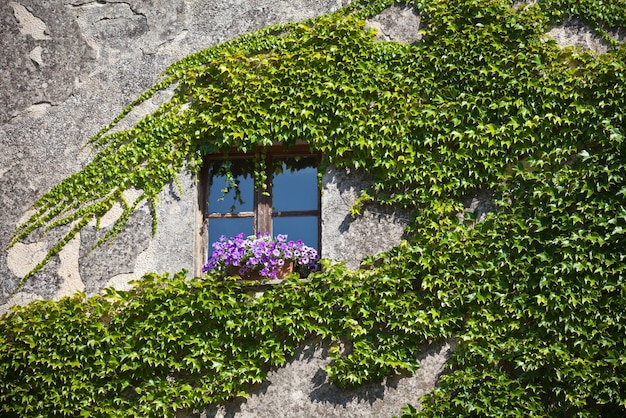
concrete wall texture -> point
(69, 66)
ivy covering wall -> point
(485, 102)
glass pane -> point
(304, 228)
(229, 227)
(295, 184)
(238, 196)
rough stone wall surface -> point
(574, 33)
(397, 23)
(350, 238)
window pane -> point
(224, 197)
(229, 227)
(298, 227)
(295, 184)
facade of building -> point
(70, 66)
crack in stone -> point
(136, 12)
(100, 3)
(106, 18)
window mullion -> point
(263, 202)
(263, 220)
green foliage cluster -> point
(173, 344)
(484, 102)
(603, 14)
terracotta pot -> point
(255, 275)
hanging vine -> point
(535, 294)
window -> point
(291, 204)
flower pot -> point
(284, 270)
(255, 275)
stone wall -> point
(69, 66)
(351, 238)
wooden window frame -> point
(262, 213)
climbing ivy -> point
(485, 102)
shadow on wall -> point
(301, 389)
(348, 238)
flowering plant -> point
(260, 253)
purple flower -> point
(259, 253)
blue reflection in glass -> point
(295, 190)
(228, 202)
(229, 227)
(298, 227)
